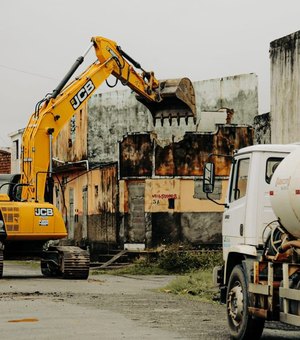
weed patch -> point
(197, 285)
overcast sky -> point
(199, 39)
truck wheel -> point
(241, 324)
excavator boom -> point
(165, 99)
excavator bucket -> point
(178, 101)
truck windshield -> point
(272, 164)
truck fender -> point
(236, 255)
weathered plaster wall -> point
(120, 129)
(285, 88)
(88, 201)
(160, 201)
(112, 115)
(239, 93)
(262, 129)
(141, 154)
(71, 143)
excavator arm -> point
(167, 99)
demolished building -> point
(123, 182)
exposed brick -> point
(5, 162)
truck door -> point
(267, 215)
(234, 215)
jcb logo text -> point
(43, 212)
(82, 94)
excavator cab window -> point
(7, 185)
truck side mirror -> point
(209, 178)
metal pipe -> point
(83, 161)
(50, 154)
(87, 165)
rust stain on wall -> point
(90, 203)
(136, 152)
(187, 157)
(183, 158)
(71, 143)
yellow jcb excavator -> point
(28, 219)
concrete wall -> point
(159, 186)
(142, 156)
(88, 201)
(16, 145)
(262, 129)
(164, 211)
(71, 143)
(285, 88)
(114, 114)
(239, 92)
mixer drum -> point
(285, 193)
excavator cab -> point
(177, 101)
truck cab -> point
(260, 277)
(248, 208)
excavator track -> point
(75, 262)
(68, 262)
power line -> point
(26, 72)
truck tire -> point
(241, 324)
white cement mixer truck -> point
(260, 278)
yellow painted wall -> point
(94, 180)
(66, 150)
(158, 192)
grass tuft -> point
(193, 267)
(197, 285)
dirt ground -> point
(107, 307)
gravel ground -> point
(107, 307)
